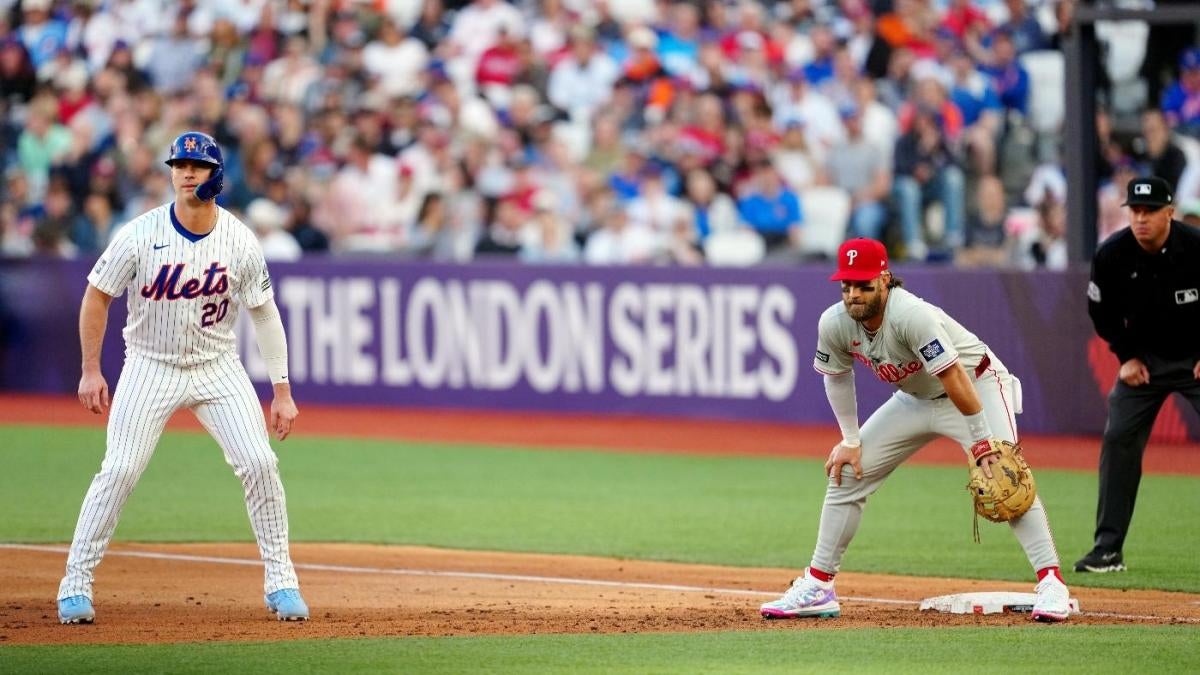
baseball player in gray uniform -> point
(187, 267)
(948, 384)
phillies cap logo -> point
(189, 144)
(860, 260)
(1141, 189)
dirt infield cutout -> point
(211, 592)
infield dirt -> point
(381, 591)
(203, 592)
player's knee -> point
(259, 467)
(121, 473)
(851, 490)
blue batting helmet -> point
(201, 147)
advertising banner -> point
(666, 341)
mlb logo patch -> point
(1186, 296)
(932, 350)
(1141, 189)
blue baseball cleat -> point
(287, 605)
(76, 609)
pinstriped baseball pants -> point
(219, 393)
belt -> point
(984, 364)
(980, 369)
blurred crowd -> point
(592, 131)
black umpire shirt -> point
(1148, 303)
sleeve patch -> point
(1093, 292)
(932, 350)
(822, 356)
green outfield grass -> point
(745, 511)
(1034, 649)
(724, 510)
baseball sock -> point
(819, 575)
(1045, 571)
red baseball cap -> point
(860, 260)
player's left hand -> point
(283, 416)
(986, 464)
(840, 457)
(985, 454)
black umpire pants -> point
(1131, 415)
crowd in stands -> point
(562, 131)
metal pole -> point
(1079, 134)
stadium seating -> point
(826, 215)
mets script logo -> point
(189, 144)
(167, 284)
(888, 372)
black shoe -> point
(1100, 561)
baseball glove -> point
(1010, 492)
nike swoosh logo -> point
(158, 246)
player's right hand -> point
(93, 391)
(1134, 373)
(840, 457)
(283, 415)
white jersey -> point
(184, 289)
(915, 343)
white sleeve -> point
(928, 338)
(839, 389)
(114, 270)
(255, 288)
(272, 344)
(831, 358)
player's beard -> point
(866, 310)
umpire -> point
(1144, 299)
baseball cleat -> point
(1101, 561)
(76, 609)
(287, 605)
(1053, 602)
(807, 597)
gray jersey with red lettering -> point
(916, 341)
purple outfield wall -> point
(735, 344)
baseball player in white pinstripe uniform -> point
(187, 267)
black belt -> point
(980, 369)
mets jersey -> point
(184, 288)
(915, 342)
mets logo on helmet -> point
(189, 144)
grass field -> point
(723, 510)
(977, 650)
